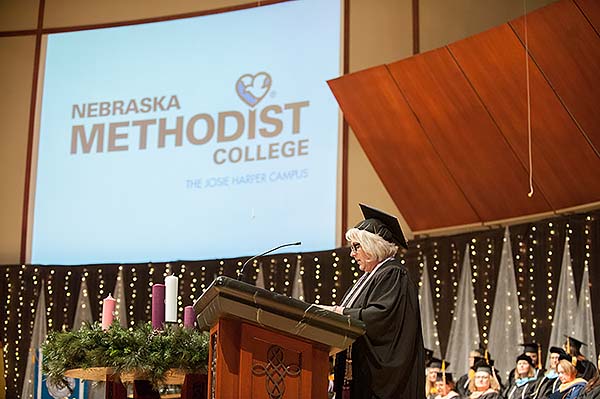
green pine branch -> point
(140, 349)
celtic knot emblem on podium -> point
(275, 371)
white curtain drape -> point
(565, 310)
(506, 331)
(464, 332)
(584, 323)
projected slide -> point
(201, 138)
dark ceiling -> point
(447, 130)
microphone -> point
(241, 272)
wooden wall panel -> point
(466, 138)
(407, 163)
(566, 48)
(565, 166)
(591, 9)
(453, 126)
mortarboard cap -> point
(530, 347)
(383, 224)
(578, 364)
(428, 354)
(574, 342)
(565, 356)
(440, 377)
(434, 362)
(478, 359)
(482, 366)
(527, 358)
(556, 349)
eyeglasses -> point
(354, 246)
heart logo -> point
(253, 88)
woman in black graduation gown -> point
(549, 383)
(571, 385)
(388, 361)
(484, 384)
(592, 389)
(522, 385)
(444, 385)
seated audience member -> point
(484, 384)
(592, 389)
(433, 367)
(523, 381)
(533, 350)
(444, 384)
(475, 357)
(549, 383)
(570, 384)
(573, 348)
(462, 385)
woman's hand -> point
(335, 309)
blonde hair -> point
(493, 384)
(530, 373)
(429, 386)
(375, 247)
(568, 367)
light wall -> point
(380, 31)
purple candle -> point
(158, 306)
(188, 317)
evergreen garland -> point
(142, 350)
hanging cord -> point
(530, 194)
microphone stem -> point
(241, 272)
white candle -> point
(171, 290)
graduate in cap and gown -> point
(534, 351)
(549, 383)
(462, 385)
(445, 386)
(570, 384)
(586, 369)
(524, 380)
(484, 384)
(434, 365)
(592, 389)
(388, 360)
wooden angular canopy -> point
(447, 130)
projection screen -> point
(199, 138)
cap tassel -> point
(568, 345)
(539, 359)
(444, 372)
(471, 374)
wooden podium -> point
(267, 345)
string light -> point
(536, 264)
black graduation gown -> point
(494, 395)
(593, 394)
(388, 361)
(524, 391)
(545, 387)
(589, 370)
(462, 385)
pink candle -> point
(158, 306)
(188, 317)
(108, 311)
